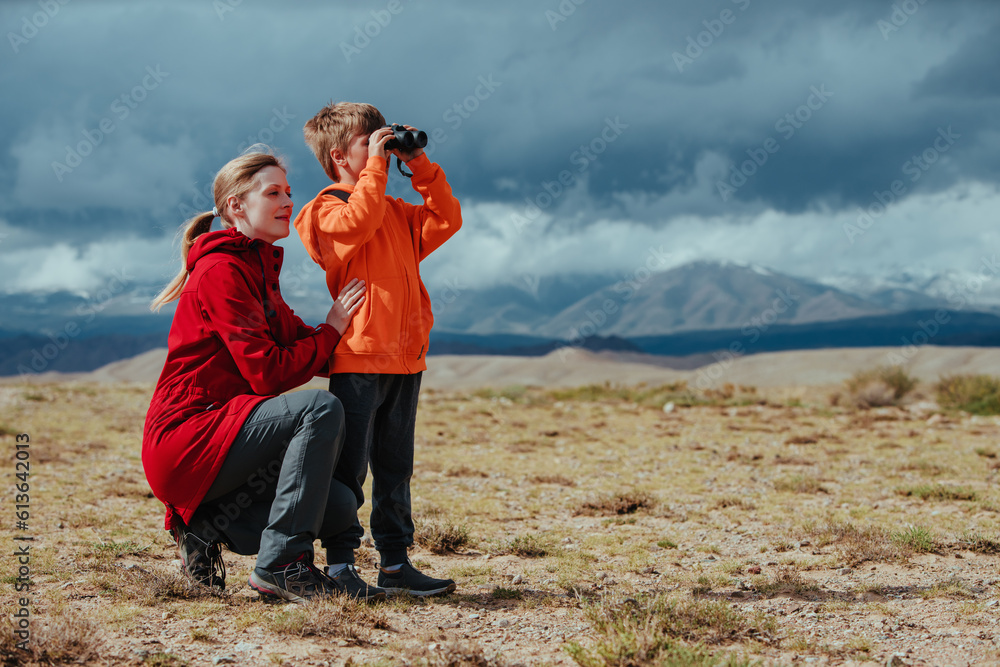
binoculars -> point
(405, 140)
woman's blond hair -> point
(236, 178)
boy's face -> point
(350, 164)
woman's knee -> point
(325, 408)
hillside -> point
(571, 367)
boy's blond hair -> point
(334, 127)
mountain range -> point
(695, 308)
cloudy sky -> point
(580, 135)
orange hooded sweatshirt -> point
(382, 241)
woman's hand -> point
(345, 305)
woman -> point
(234, 462)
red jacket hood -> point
(227, 239)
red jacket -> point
(233, 343)
(382, 241)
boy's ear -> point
(337, 157)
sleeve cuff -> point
(419, 164)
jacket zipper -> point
(406, 305)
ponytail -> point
(195, 227)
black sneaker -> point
(409, 579)
(201, 560)
(298, 582)
(349, 582)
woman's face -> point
(265, 211)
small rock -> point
(504, 623)
(473, 616)
(246, 647)
(668, 407)
(923, 407)
(166, 615)
(934, 419)
(754, 569)
(844, 570)
(517, 579)
(895, 661)
(991, 603)
(223, 660)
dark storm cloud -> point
(971, 73)
(520, 94)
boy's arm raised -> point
(440, 216)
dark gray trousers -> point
(275, 493)
(381, 412)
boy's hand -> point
(376, 142)
(406, 157)
(345, 305)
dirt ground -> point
(759, 528)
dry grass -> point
(459, 654)
(617, 504)
(337, 617)
(441, 537)
(978, 394)
(760, 502)
(859, 544)
(878, 387)
(660, 630)
(63, 637)
(937, 492)
(786, 579)
(525, 546)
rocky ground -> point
(775, 529)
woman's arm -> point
(233, 312)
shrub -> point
(915, 538)
(442, 537)
(622, 503)
(525, 546)
(978, 394)
(938, 492)
(661, 630)
(881, 386)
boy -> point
(353, 229)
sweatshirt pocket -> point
(382, 318)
